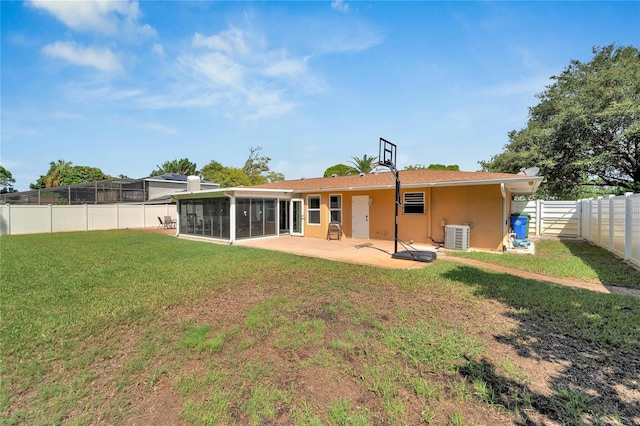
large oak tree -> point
(586, 128)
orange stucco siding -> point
(480, 206)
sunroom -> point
(231, 214)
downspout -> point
(504, 216)
(430, 215)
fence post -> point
(599, 237)
(611, 223)
(86, 217)
(50, 218)
(8, 219)
(589, 204)
(117, 216)
(540, 214)
(628, 225)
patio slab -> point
(351, 250)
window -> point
(313, 209)
(335, 208)
(413, 203)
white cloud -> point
(287, 67)
(158, 49)
(231, 41)
(339, 5)
(217, 68)
(101, 16)
(237, 69)
(102, 59)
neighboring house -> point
(363, 204)
(149, 190)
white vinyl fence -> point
(551, 218)
(34, 219)
(612, 223)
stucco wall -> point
(480, 205)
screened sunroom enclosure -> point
(233, 214)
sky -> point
(126, 86)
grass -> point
(91, 321)
(566, 259)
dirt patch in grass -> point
(533, 376)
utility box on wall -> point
(456, 237)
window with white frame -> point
(413, 203)
(313, 210)
(335, 208)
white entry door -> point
(360, 216)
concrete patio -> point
(366, 252)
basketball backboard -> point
(387, 154)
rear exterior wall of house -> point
(480, 206)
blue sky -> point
(126, 86)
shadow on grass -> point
(604, 264)
(593, 339)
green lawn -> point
(95, 325)
(566, 259)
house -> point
(363, 204)
(150, 190)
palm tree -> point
(181, 167)
(363, 165)
(56, 170)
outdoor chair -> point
(335, 229)
(169, 223)
(162, 224)
(193, 224)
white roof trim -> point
(228, 192)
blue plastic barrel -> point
(519, 226)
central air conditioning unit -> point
(456, 237)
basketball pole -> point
(386, 158)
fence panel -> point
(561, 218)
(130, 217)
(68, 218)
(102, 217)
(25, 219)
(633, 233)
(617, 225)
(603, 222)
(36, 219)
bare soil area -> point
(529, 369)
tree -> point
(225, 176)
(82, 174)
(340, 170)
(255, 171)
(56, 170)
(52, 178)
(62, 173)
(454, 167)
(181, 167)
(363, 164)
(257, 168)
(6, 181)
(586, 128)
